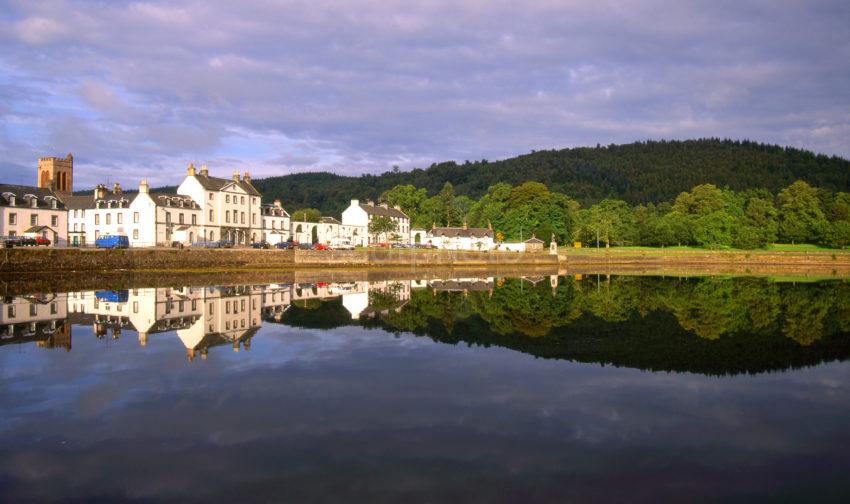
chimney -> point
(465, 226)
(489, 225)
(99, 192)
(143, 187)
(384, 205)
(204, 171)
(277, 203)
(116, 188)
(190, 171)
(370, 202)
(236, 175)
(246, 176)
(433, 225)
(397, 207)
(355, 202)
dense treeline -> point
(637, 173)
(704, 216)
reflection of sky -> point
(318, 415)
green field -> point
(772, 249)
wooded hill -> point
(641, 172)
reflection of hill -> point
(712, 326)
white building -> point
(276, 223)
(461, 238)
(360, 215)
(230, 207)
(31, 211)
(147, 219)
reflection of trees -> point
(532, 310)
(805, 309)
(708, 309)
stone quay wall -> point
(38, 261)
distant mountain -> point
(637, 173)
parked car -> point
(177, 244)
(119, 296)
(112, 242)
(40, 240)
(400, 246)
(287, 245)
(10, 241)
(304, 246)
(341, 244)
(260, 245)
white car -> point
(340, 244)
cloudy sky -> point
(139, 89)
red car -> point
(40, 240)
(320, 246)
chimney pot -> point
(236, 175)
(190, 171)
(246, 176)
(204, 171)
(143, 187)
(277, 203)
(116, 188)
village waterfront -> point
(525, 385)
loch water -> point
(537, 389)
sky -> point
(140, 89)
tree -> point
(381, 225)
(446, 200)
(801, 218)
(307, 215)
(407, 197)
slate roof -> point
(79, 202)
(88, 202)
(534, 239)
(459, 232)
(160, 199)
(216, 184)
(329, 220)
(272, 210)
(42, 196)
(386, 212)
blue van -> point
(112, 242)
(120, 296)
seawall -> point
(39, 261)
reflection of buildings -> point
(39, 318)
(201, 317)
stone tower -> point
(57, 173)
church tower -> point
(57, 174)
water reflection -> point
(465, 389)
(710, 325)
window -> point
(108, 219)
(168, 217)
(33, 310)
(253, 201)
(194, 220)
(135, 217)
(135, 234)
(227, 307)
(227, 199)
(10, 311)
(54, 220)
(242, 200)
(83, 227)
(120, 217)
(96, 219)
(211, 217)
(53, 308)
(253, 218)
(33, 219)
(135, 307)
(243, 217)
(180, 218)
(227, 216)
(13, 218)
(211, 196)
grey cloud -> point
(366, 85)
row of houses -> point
(204, 208)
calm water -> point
(542, 389)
